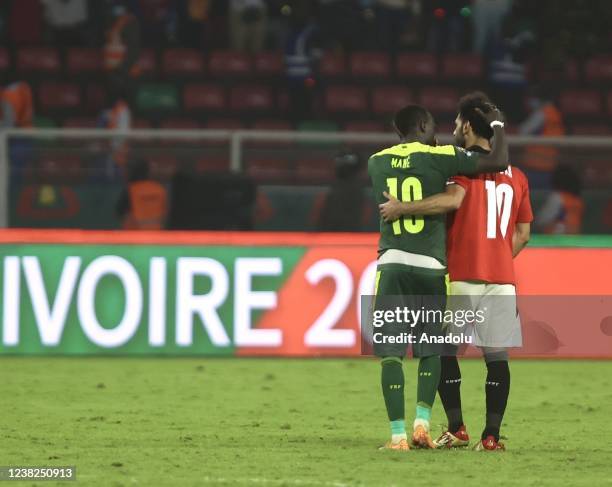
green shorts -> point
(413, 288)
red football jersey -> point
(479, 241)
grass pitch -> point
(290, 423)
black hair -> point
(467, 113)
(347, 164)
(407, 120)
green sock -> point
(427, 385)
(398, 427)
(392, 381)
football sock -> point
(450, 391)
(427, 384)
(497, 389)
(392, 381)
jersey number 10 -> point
(499, 205)
(411, 190)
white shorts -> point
(496, 323)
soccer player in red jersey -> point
(490, 226)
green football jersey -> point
(413, 171)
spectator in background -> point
(396, 26)
(193, 17)
(67, 21)
(122, 48)
(247, 25)
(17, 106)
(545, 120)
(487, 19)
(562, 212)
(117, 117)
(447, 31)
(302, 53)
(143, 205)
(17, 111)
(26, 22)
(508, 60)
(342, 24)
(344, 208)
(158, 20)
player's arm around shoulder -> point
(497, 159)
(436, 204)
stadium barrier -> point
(67, 292)
(86, 159)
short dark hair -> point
(467, 112)
(408, 118)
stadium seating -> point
(364, 126)
(83, 61)
(141, 123)
(462, 66)
(370, 64)
(591, 129)
(55, 95)
(268, 124)
(250, 85)
(180, 123)
(387, 99)
(44, 122)
(569, 72)
(251, 98)
(269, 170)
(599, 68)
(204, 97)
(224, 124)
(80, 122)
(416, 65)
(157, 97)
(38, 59)
(182, 62)
(212, 164)
(147, 63)
(581, 102)
(229, 64)
(346, 98)
(332, 65)
(271, 125)
(95, 97)
(317, 126)
(439, 100)
(268, 64)
(315, 170)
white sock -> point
(421, 422)
(399, 437)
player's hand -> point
(392, 209)
(492, 113)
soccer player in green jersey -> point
(412, 250)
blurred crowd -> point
(510, 35)
(557, 27)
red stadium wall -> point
(286, 294)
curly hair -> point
(467, 113)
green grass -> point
(290, 422)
